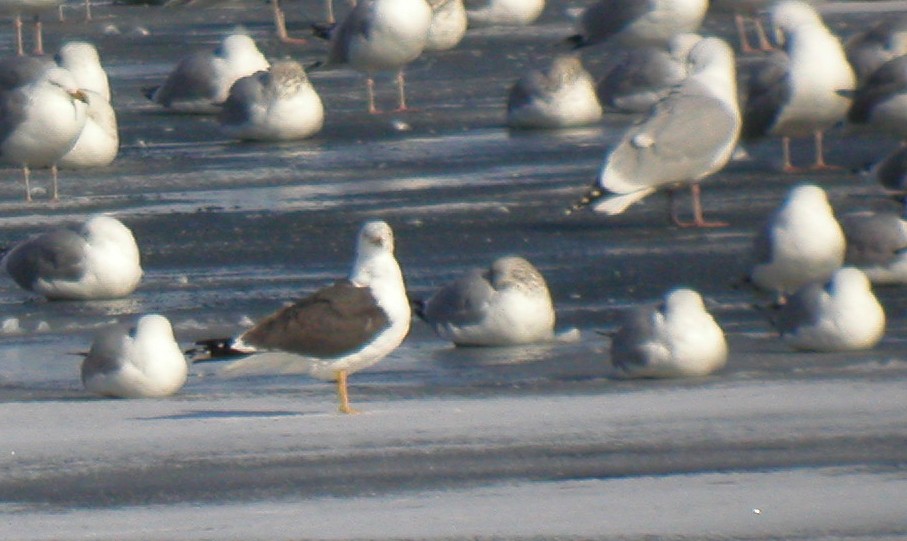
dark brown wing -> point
(334, 321)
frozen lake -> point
(508, 443)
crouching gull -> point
(140, 361)
(507, 304)
(634, 23)
(877, 245)
(678, 339)
(687, 137)
(100, 261)
(336, 331)
(801, 242)
(842, 315)
(561, 97)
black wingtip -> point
(323, 30)
(594, 194)
(150, 91)
(418, 307)
(576, 41)
(214, 349)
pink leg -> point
(39, 36)
(740, 22)
(764, 43)
(401, 91)
(698, 219)
(280, 25)
(370, 92)
(787, 166)
(820, 164)
(25, 175)
(18, 24)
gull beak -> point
(78, 94)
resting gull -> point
(675, 340)
(381, 35)
(100, 261)
(507, 304)
(687, 137)
(201, 81)
(881, 100)
(635, 23)
(448, 25)
(42, 113)
(275, 105)
(868, 50)
(801, 242)
(842, 315)
(99, 141)
(84, 63)
(503, 12)
(141, 361)
(338, 330)
(877, 245)
(803, 91)
(561, 97)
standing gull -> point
(868, 50)
(881, 100)
(507, 304)
(338, 330)
(678, 339)
(448, 25)
(842, 315)
(561, 97)
(802, 91)
(802, 242)
(276, 105)
(503, 12)
(634, 23)
(687, 137)
(141, 361)
(201, 81)
(877, 245)
(100, 261)
(381, 35)
(42, 113)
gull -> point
(675, 340)
(448, 25)
(503, 12)
(84, 63)
(381, 35)
(634, 23)
(99, 141)
(868, 50)
(201, 81)
(688, 136)
(141, 361)
(802, 91)
(42, 113)
(881, 100)
(891, 172)
(841, 315)
(877, 245)
(561, 97)
(504, 305)
(17, 8)
(99, 261)
(338, 330)
(646, 75)
(801, 242)
(275, 105)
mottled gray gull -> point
(563, 96)
(877, 245)
(677, 339)
(275, 105)
(687, 137)
(100, 261)
(337, 330)
(881, 100)
(140, 361)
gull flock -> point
(695, 102)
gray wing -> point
(767, 91)
(106, 355)
(192, 79)
(680, 141)
(802, 309)
(461, 302)
(891, 173)
(873, 238)
(15, 72)
(606, 18)
(887, 81)
(637, 328)
(57, 255)
(526, 89)
(355, 26)
(244, 93)
(642, 78)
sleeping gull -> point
(100, 261)
(507, 304)
(803, 91)
(338, 330)
(645, 75)
(635, 23)
(503, 12)
(201, 80)
(276, 105)
(842, 315)
(381, 35)
(802, 242)
(42, 113)
(99, 141)
(561, 97)
(143, 361)
(675, 340)
(868, 50)
(448, 25)
(17, 8)
(881, 100)
(688, 136)
(84, 63)
(877, 245)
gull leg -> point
(280, 25)
(740, 23)
(698, 219)
(786, 166)
(820, 163)
(764, 43)
(17, 22)
(401, 91)
(25, 174)
(39, 36)
(53, 172)
(370, 92)
(329, 11)
(343, 393)
(87, 10)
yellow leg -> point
(343, 394)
